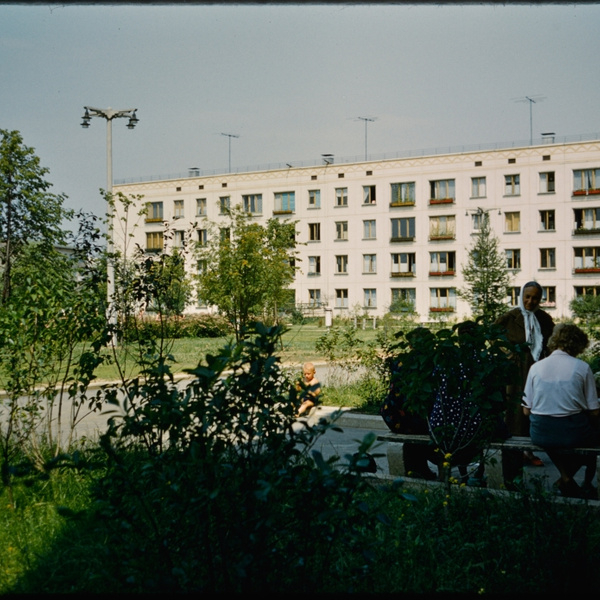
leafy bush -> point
(188, 326)
(215, 487)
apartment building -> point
(374, 232)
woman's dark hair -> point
(568, 337)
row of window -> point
(585, 181)
(444, 263)
(440, 299)
(586, 220)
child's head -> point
(309, 371)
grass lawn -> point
(298, 346)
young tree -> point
(28, 211)
(247, 267)
(485, 274)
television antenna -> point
(366, 120)
(533, 99)
(230, 135)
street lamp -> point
(109, 114)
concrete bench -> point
(492, 454)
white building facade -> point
(373, 232)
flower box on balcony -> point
(441, 273)
(586, 192)
(398, 274)
(444, 309)
(410, 203)
(402, 239)
(154, 220)
(441, 200)
(442, 237)
(588, 231)
(283, 212)
(588, 270)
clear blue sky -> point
(290, 80)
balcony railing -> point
(442, 273)
(403, 274)
(408, 203)
(446, 309)
(592, 192)
(587, 270)
(586, 231)
(409, 238)
(441, 200)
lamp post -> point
(109, 114)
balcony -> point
(408, 203)
(403, 274)
(410, 238)
(442, 236)
(586, 270)
(441, 200)
(442, 273)
(283, 212)
(592, 192)
(443, 309)
(586, 231)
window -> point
(403, 193)
(341, 298)
(314, 198)
(442, 228)
(477, 220)
(154, 212)
(547, 183)
(513, 259)
(513, 294)
(285, 203)
(341, 264)
(178, 209)
(404, 264)
(224, 234)
(224, 204)
(202, 237)
(341, 196)
(587, 259)
(370, 296)
(442, 300)
(369, 194)
(586, 181)
(200, 207)
(548, 296)
(341, 230)
(202, 266)
(178, 239)
(478, 187)
(587, 290)
(369, 230)
(442, 263)
(154, 241)
(314, 298)
(314, 232)
(403, 229)
(253, 203)
(587, 219)
(512, 222)
(314, 265)
(511, 185)
(547, 258)
(547, 222)
(403, 296)
(442, 190)
(369, 263)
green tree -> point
(28, 211)
(247, 268)
(485, 274)
(587, 309)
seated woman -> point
(562, 403)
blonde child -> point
(310, 389)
